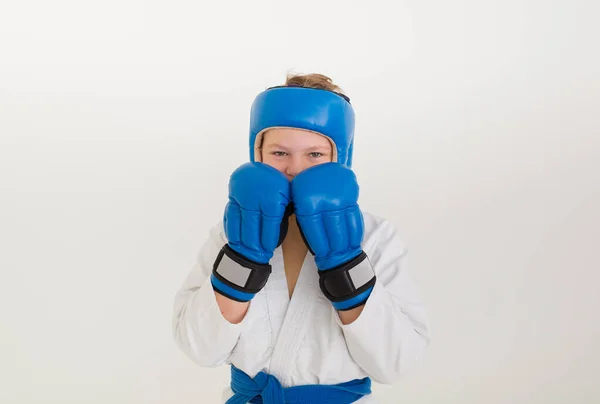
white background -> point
(477, 133)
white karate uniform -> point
(302, 340)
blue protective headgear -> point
(325, 112)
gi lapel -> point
(295, 323)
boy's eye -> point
(316, 154)
(279, 153)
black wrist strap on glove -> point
(347, 280)
(240, 273)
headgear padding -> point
(322, 111)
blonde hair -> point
(312, 80)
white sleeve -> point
(199, 328)
(390, 336)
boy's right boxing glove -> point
(255, 223)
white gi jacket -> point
(302, 340)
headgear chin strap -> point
(322, 111)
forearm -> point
(200, 328)
(232, 311)
(350, 316)
(386, 341)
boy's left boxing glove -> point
(325, 198)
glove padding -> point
(325, 199)
(255, 223)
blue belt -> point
(266, 389)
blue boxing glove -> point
(255, 222)
(325, 198)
